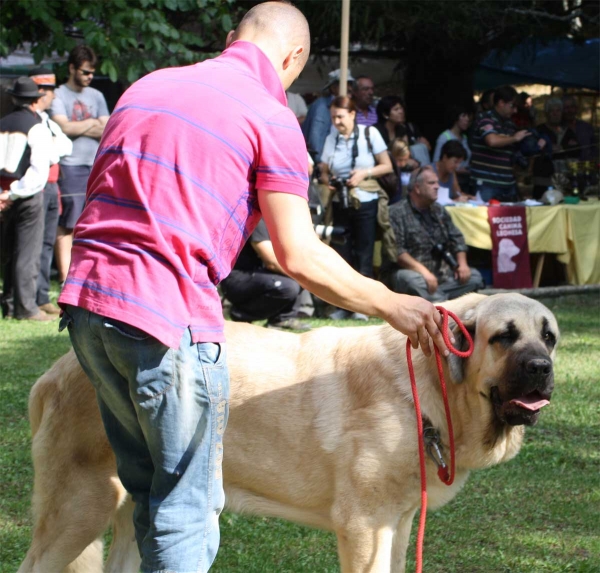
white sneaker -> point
(339, 314)
(358, 316)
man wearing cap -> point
(81, 112)
(317, 125)
(25, 165)
(62, 146)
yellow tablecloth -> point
(570, 231)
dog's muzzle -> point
(528, 392)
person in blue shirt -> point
(317, 125)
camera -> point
(444, 253)
(529, 147)
(329, 232)
(341, 188)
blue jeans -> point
(165, 412)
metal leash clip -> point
(433, 445)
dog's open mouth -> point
(532, 402)
(521, 410)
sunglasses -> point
(86, 72)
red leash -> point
(444, 475)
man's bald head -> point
(281, 31)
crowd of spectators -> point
(366, 145)
(380, 178)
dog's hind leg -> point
(123, 556)
(70, 516)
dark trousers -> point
(260, 295)
(361, 226)
(411, 282)
(51, 212)
(23, 230)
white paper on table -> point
(479, 200)
(444, 196)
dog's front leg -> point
(400, 544)
(365, 546)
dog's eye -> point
(505, 337)
(549, 338)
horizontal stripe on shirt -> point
(172, 196)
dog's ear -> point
(456, 365)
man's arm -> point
(264, 249)
(319, 269)
(36, 176)
(97, 130)
(501, 140)
(87, 127)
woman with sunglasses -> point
(350, 163)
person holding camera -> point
(349, 165)
(432, 254)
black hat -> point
(43, 77)
(26, 88)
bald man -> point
(173, 195)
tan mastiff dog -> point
(322, 431)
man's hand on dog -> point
(419, 320)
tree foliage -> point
(131, 37)
(448, 26)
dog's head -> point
(515, 342)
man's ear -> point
(456, 365)
(292, 56)
(230, 38)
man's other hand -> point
(520, 135)
(431, 280)
(462, 274)
(5, 202)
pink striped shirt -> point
(172, 196)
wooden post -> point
(345, 33)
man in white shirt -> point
(25, 162)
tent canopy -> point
(562, 62)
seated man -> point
(258, 288)
(432, 254)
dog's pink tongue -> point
(531, 402)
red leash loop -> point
(444, 475)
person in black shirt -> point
(258, 288)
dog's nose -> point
(539, 366)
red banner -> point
(510, 251)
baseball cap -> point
(43, 77)
(334, 76)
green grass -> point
(536, 514)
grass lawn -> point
(537, 514)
